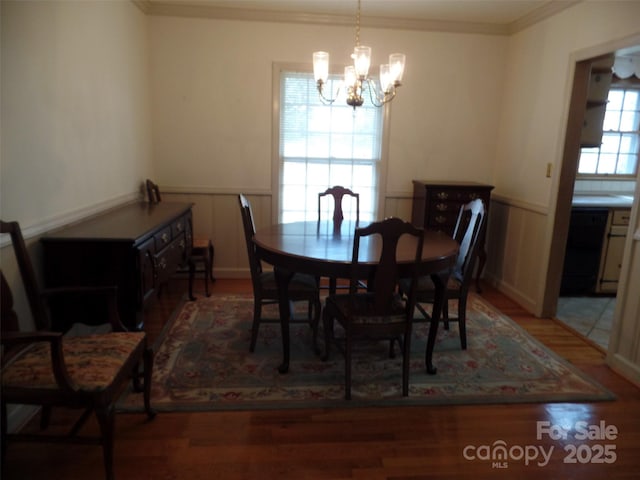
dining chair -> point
(202, 250)
(51, 369)
(338, 192)
(470, 225)
(380, 314)
(302, 287)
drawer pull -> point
(473, 196)
(165, 237)
(179, 226)
(442, 195)
(441, 219)
(442, 207)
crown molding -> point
(173, 8)
(547, 10)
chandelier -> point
(356, 79)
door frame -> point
(581, 64)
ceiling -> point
(483, 16)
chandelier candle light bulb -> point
(321, 67)
(362, 61)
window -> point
(324, 145)
(618, 153)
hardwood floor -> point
(369, 443)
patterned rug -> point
(203, 363)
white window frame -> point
(597, 151)
(276, 161)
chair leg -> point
(347, 367)
(45, 416)
(333, 285)
(257, 312)
(462, 321)
(148, 371)
(210, 268)
(207, 273)
(392, 350)
(317, 307)
(445, 314)
(106, 419)
(192, 273)
(3, 439)
(406, 357)
(327, 324)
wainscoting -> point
(217, 216)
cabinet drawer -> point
(621, 217)
(168, 259)
(178, 227)
(438, 220)
(456, 196)
(162, 238)
(444, 207)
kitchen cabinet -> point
(597, 95)
(612, 250)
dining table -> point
(325, 249)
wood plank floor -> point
(408, 443)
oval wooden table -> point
(324, 249)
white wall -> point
(75, 107)
(536, 97)
(211, 84)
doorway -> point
(592, 317)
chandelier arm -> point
(325, 100)
(375, 97)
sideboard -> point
(135, 247)
(436, 205)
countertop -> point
(602, 200)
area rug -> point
(204, 364)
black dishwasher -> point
(584, 246)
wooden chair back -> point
(385, 280)
(469, 228)
(338, 192)
(153, 192)
(29, 280)
(9, 317)
(249, 231)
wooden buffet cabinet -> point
(436, 206)
(135, 247)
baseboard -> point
(524, 301)
(625, 368)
